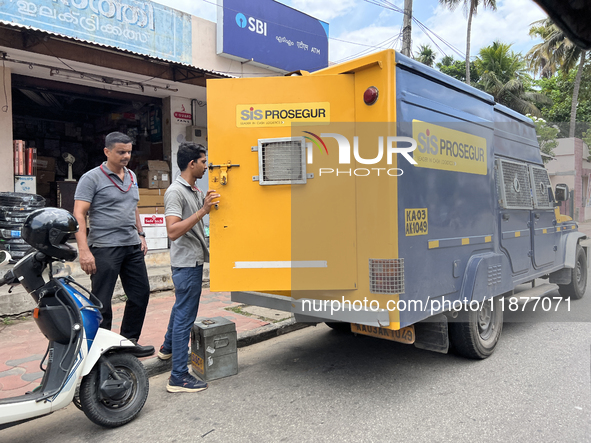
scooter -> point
(83, 363)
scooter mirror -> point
(4, 257)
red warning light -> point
(370, 96)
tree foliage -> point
(546, 136)
(554, 53)
(503, 75)
(426, 55)
(560, 89)
(457, 69)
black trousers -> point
(128, 263)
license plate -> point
(404, 335)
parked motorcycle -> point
(83, 363)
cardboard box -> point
(157, 176)
(151, 210)
(153, 220)
(157, 243)
(152, 200)
(147, 179)
(45, 177)
(155, 232)
(46, 163)
(145, 191)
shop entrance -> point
(67, 125)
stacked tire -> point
(14, 209)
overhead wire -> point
(426, 30)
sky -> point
(360, 26)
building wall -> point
(578, 195)
(572, 168)
(7, 165)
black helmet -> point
(48, 229)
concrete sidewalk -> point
(22, 345)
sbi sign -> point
(254, 25)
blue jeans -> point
(187, 285)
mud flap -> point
(562, 277)
(432, 334)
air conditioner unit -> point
(197, 134)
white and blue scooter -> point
(83, 363)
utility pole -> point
(407, 28)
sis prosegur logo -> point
(284, 114)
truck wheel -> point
(339, 326)
(113, 412)
(578, 283)
(475, 334)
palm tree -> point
(537, 58)
(426, 55)
(500, 60)
(557, 51)
(502, 74)
(470, 8)
(447, 60)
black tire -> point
(339, 326)
(112, 414)
(474, 334)
(578, 284)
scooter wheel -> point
(109, 412)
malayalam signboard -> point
(270, 34)
(139, 26)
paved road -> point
(319, 385)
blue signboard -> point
(138, 26)
(271, 34)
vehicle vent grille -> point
(541, 182)
(282, 161)
(386, 276)
(516, 186)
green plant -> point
(238, 310)
(546, 136)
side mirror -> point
(561, 193)
(4, 257)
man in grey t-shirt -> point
(116, 244)
(185, 206)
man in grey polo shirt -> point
(116, 244)
(185, 206)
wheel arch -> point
(572, 241)
(486, 276)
